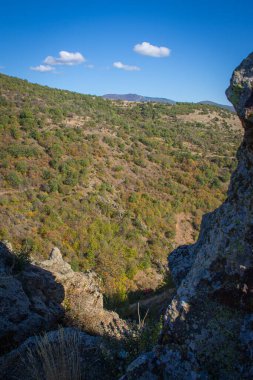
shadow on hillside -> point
(153, 302)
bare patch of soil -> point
(184, 229)
(233, 121)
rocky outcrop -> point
(208, 329)
(30, 300)
(180, 263)
(240, 93)
(37, 297)
(83, 300)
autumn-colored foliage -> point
(103, 180)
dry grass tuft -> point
(56, 358)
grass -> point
(56, 359)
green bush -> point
(21, 259)
(14, 179)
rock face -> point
(240, 93)
(83, 299)
(37, 297)
(30, 301)
(208, 326)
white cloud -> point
(90, 66)
(122, 66)
(65, 58)
(42, 68)
(145, 48)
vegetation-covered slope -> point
(105, 182)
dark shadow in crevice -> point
(30, 300)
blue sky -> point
(206, 40)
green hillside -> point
(105, 181)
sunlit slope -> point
(108, 183)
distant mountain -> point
(137, 98)
(208, 102)
(146, 99)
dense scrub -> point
(103, 180)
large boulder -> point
(208, 325)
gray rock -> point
(246, 334)
(240, 93)
(30, 301)
(180, 262)
(83, 298)
(163, 363)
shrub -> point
(14, 179)
(15, 133)
(22, 151)
(71, 178)
(21, 259)
(21, 167)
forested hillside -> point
(115, 186)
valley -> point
(107, 182)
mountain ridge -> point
(137, 98)
(225, 106)
(150, 99)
